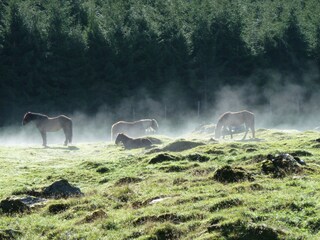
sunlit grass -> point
(179, 198)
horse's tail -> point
(112, 137)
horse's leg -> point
(245, 135)
(223, 132)
(65, 130)
(253, 132)
(44, 138)
(70, 133)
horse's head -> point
(27, 118)
(154, 125)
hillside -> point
(171, 191)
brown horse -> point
(134, 129)
(130, 143)
(232, 120)
(46, 124)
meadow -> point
(170, 191)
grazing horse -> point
(134, 129)
(130, 143)
(232, 120)
(46, 124)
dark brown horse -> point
(134, 129)
(46, 124)
(231, 120)
(130, 143)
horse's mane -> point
(35, 115)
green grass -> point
(169, 200)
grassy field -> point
(131, 194)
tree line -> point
(61, 56)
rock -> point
(227, 174)
(61, 189)
(282, 164)
(13, 205)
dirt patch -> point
(163, 157)
(171, 217)
(258, 158)
(256, 187)
(240, 230)
(215, 152)
(314, 225)
(196, 157)
(102, 170)
(227, 174)
(90, 165)
(10, 234)
(181, 145)
(203, 171)
(58, 208)
(98, 214)
(174, 168)
(166, 231)
(249, 150)
(128, 180)
(282, 165)
(179, 181)
(301, 153)
(227, 203)
(61, 189)
(13, 205)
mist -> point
(280, 104)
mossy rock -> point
(281, 165)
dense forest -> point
(62, 56)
